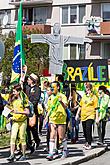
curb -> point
(5, 147)
(87, 158)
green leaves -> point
(37, 55)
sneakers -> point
(11, 158)
(22, 158)
(18, 152)
(49, 157)
(99, 143)
(65, 154)
(87, 147)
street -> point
(101, 160)
(76, 153)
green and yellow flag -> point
(19, 56)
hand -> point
(73, 109)
(97, 121)
(45, 121)
(76, 117)
(60, 98)
(16, 111)
(70, 98)
(99, 118)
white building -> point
(79, 18)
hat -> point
(33, 77)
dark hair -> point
(73, 87)
(12, 97)
(57, 83)
(89, 86)
(46, 83)
(103, 88)
(107, 92)
(17, 87)
(60, 78)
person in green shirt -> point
(57, 104)
(103, 101)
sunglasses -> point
(52, 89)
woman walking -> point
(18, 103)
(88, 106)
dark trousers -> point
(101, 130)
(87, 130)
(34, 131)
(41, 118)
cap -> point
(33, 77)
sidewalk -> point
(77, 154)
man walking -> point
(33, 92)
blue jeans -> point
(75, 128)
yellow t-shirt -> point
(18, 106)
(5, 96)
(88, 105)
(58, 115)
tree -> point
(36, 55)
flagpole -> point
(21, 40)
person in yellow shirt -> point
(18, 103)
(88, 106)
(57, 104)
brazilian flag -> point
(19, 56)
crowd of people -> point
(58, 109)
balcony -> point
(42, 28)
(30, 2)
(105, 28)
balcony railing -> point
(30, 2)
(40, 27)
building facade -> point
(81, 18)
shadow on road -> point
(16, 163)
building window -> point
(41, 14)
(81, 13)
(73, 14)
(106, 11)
(65, 52)
(95, 49)
(64, 15)
(105, 51)
(82, 52)
(73, 51)
(2, 14)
